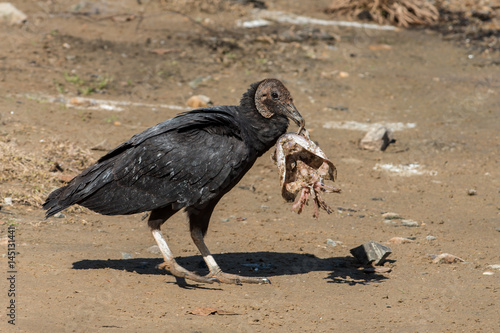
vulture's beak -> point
(294, 115)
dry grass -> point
(403, 13)
(28, 178)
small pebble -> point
(11, 15)
(430, 238)
(126, 255)
(343, 75)
(399, 240)
(8, 201)
(496, 266)
(392, 216)
(198, 101)
(332, 242)
(488, 273)
(409, 223)
(446, 258)
(59, 215)
(377, 139)
(471, 192)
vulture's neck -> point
(262, 132)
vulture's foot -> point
(215, 271)
(237, 279)
(177, 270)
(172, 266)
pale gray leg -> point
(215, 271)
(172, 266)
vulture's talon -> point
(238, 279)
(163, 266)
(179, 271)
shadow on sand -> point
(264, 264)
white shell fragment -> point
(303, 168)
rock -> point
(254, 23)
(371, 252)
(399, 240)
(488, 273)
(471, 192)
(409, 223)
(126, 255)
(377, 139)
(343, 75)
(7, 201)
(332, 242)
(430, 238)
(154, 249)
(391, 216)
(11, 15)
(198, 101)
(59, 215)
(446, 258)
(496, 266)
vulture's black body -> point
(189, 161)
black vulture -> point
(190, 162)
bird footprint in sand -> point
(303, 168)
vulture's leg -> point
(215, 270)
(156, 219)
(198, 222)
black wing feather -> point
(185, 161)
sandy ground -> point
(91, 273)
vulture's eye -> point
(275, 95)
